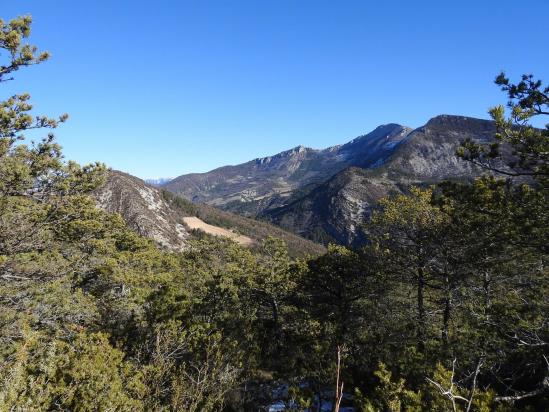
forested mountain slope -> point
(159, 215)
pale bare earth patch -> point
(196, 223)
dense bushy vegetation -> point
(445, 309)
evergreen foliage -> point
(445, 309)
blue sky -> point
(170, 87)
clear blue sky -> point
(170, 87)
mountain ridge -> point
(269, 181)
(333, 210)
(323, 194)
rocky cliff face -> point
(270, 182)
(335, 210)
(143, 208)
(429, 151)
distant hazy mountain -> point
(325, 195)
(159, 215)
(270, 182)
(159, 181)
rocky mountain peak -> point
(294, 152)
(143, 208)
(462, 124)
(387, 132)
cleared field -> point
(195, 223)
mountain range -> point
(325, 195)
(157, 181)
(269, 182)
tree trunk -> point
(447, 314)
(487, 298)
(274, 308)
(276, 324)
(420, 310)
